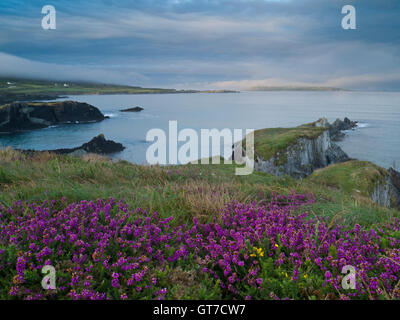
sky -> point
(204, 44)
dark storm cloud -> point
(187, 43)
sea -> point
(376, 139)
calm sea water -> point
(377, 139)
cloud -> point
(356, 82)
(24, 68)
(366, 81)
(197, 43)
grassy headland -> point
(351, 177)
(268, 142)
(295, 88)
(25, 89)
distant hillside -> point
(27, 90)
(28, 86)
(295, 88)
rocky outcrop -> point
(135, 109)
(21, 116)
(98, 145)
(386, 194)
(305, 155)
(394, 187)
(336, 129)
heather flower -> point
(246, 246)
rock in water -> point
(135, 109)
(21, 116)
(98, 145)
(336, 129)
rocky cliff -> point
(386, 194)
(21, 116)
(296, 151)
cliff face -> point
(306, 154)
(20, 116)
(391, 191)
(302, 158)
(386, 194)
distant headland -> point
(12, 89)
(294, 88)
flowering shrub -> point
(104, 250)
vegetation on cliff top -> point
(353, 177)
(28, 90)
(23, 86)
(269, 142)
(36, 104)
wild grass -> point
(182, 191)
(352, 176)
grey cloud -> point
(211, 42)
(19, 67)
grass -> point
(33, 104)
(30, 87)
(269, 142)
(352, 177)
(45, 104)
(182, 191)
(55, 88)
